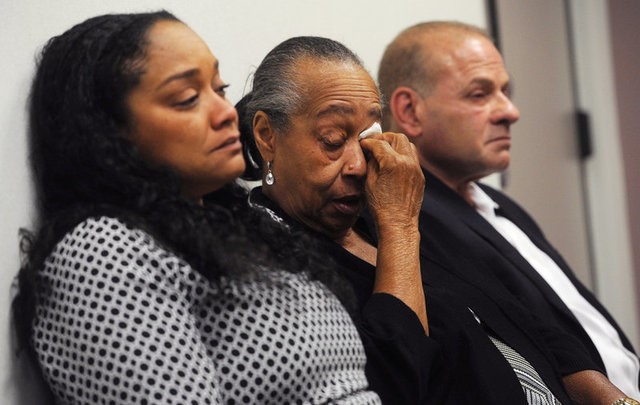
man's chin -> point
(501, 161)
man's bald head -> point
(418, 54)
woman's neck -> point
(354, 243)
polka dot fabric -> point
(122, 321)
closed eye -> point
(187, 103)
(478, 94)
(333, 145)
(508, 91)
(333, 141)
(221, 90)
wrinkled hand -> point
(394, 188)
(395, 183)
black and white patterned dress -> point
(120, 320)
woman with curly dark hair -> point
(149, 278)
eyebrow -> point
(347, 110)
(488, 82)
(187, 74)
(480, 81)
(336, 109)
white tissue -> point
(372, 130)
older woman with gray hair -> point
(306, 128)
(311, 99)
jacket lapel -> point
(442, 202)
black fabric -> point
(399, 355)
(456, 364)
(464, 244)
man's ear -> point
(403, 104)
(265, 136)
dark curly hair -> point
(84, 164)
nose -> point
(222, 113)
(355, 164)
(506, 111)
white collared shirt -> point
(622, 365)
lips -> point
(232, 141)
(505, 138)
(348, 205)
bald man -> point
(446, 88)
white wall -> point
(623, 23)
(240, 33)
(539, 62)
(615, 284)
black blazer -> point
(466, 240)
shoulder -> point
(105, 231)
(104, 242)
(98, 233)
(111, 298)
(105, 251)
(103, 239)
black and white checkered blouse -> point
(120, 320)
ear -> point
(403, 104)
(265, 136)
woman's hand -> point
(395, 183)
(394, 187)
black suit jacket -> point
(462, 243)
